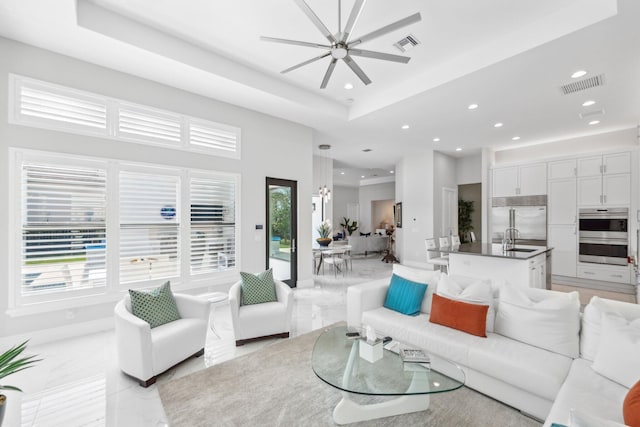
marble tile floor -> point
(78, 382)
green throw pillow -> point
(155, 306)
(258, 288)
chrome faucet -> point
(509, 238)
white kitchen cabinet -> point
(505, 182)
(613, 163)
(525, 180)
(561, 201)
(538, 272)
(564, 241)
(604, 190)
(607, 273)
(559, 169)
(604, 180)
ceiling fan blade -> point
(316, 21)
(302, 64)
(327, 75)
(379, 55)
(387, 29)
(294, 42)
(358, 6)
(356, 69)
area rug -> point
(276, 386)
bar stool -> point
(432, 255)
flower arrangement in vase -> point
(324, 230)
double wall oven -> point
(603, 236)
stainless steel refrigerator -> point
(529, 215)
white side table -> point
(216, 299)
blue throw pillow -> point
(405, 296)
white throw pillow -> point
(469, 290)
(430, 277)
(580, 419)
(592, 322)
(545, 319)
(618, 356)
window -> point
(90, 227)
(42, 104)
(148, 227)
(213, 228)
(63, 227)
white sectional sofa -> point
(544, 368)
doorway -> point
(282, 229)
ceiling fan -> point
(342, 45)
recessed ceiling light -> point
(498, 125)
(472, 106)
(436, 139)
(405, 126)
(458, 149)
(361, 176)
(594, 122)
(391, 172)
(578, 73)
(341, 173)
(588, 103)
(515, 138)
(348, 86)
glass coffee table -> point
(336, 361)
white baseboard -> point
(44, 336)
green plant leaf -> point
(9, 387)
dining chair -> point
(473, 236)
(335, 258)
(455, 240)
(432, 255)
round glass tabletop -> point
(336, 361)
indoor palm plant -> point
(324, 230)
(349, 226)
(10, 364)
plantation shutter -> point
(215, 138)
(149, 225)
(144, 124)
(63, 227)
(213, 228)
(59, 107)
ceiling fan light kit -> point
(342, 47)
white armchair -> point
(258, 321)
(145, 353)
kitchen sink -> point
(520, 250)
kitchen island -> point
(523, 265)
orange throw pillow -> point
(631, 406)
(463, 316)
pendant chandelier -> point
(324, 192)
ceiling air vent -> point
(366, 150)
(589, 114)
(584, 84)
(407, 43)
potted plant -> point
(349, 226)
(465, 209)
(10, 364)
(324, 230)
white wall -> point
(414, 188)
(369, 193)
(469, 169)
(342, 197)
(270, 147)
(444, 176)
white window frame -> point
(20, 305)
(113, 108)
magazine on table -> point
(410, 355)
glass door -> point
(282, 226)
